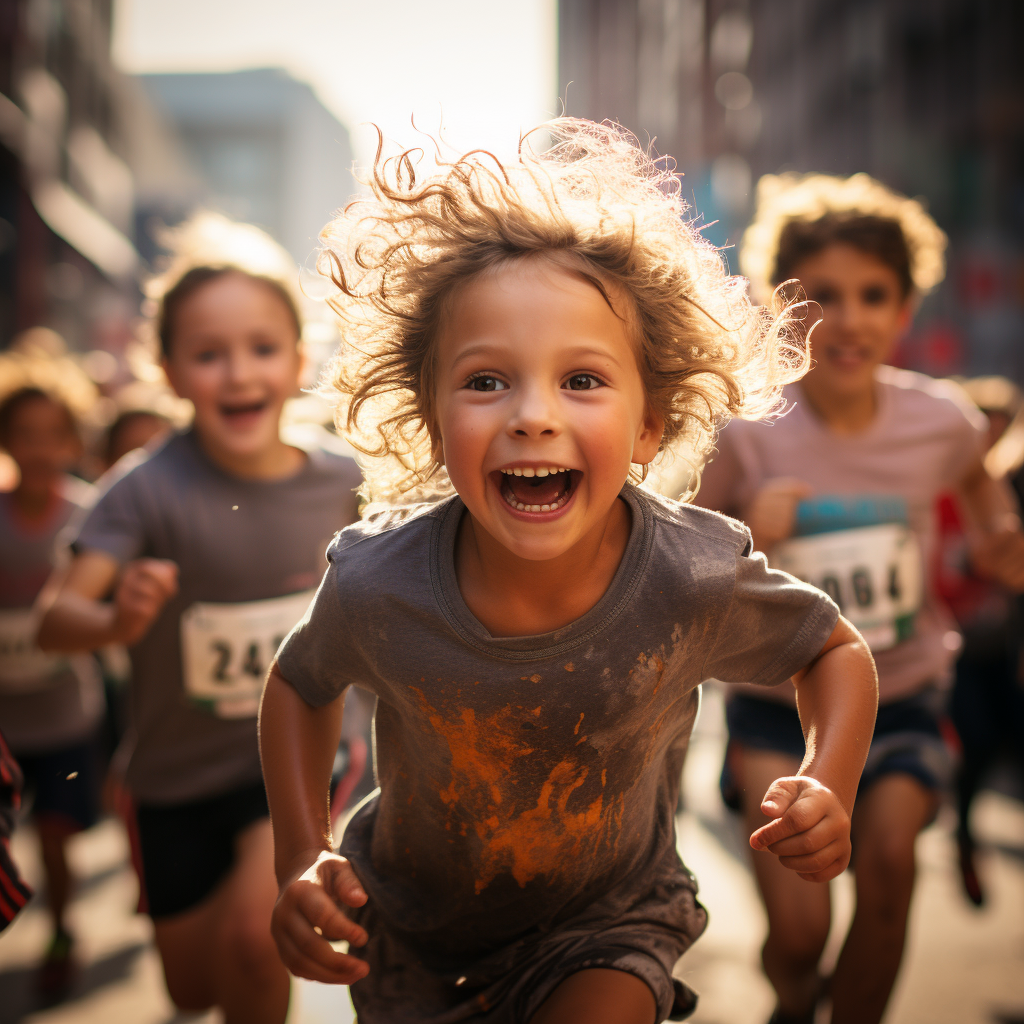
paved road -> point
(963, 966)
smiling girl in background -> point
(523, 339)
(199, 557)
(841, 492)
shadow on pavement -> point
(18, 996)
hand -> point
(772, 513)
(811, 831)
(999, 556)
(307, 920)
(145, 586)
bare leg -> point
(599, 996)
(799, 912)
(221, 952)
(886, 822)
(53, 837)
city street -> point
(963, 966)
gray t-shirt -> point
(523, 778)
(246, 551)
(46, 701)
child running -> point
(524, 338)
(841, 492)
(51, 707)
(199, 557)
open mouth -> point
(242, 412)
(538, 488)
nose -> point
(536, 413)
(240, 366)
(848, 314)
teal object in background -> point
(827, 513)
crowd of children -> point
(529, 348)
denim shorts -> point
(908, 739)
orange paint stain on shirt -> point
(490, 770)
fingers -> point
(317, 961)
(818, 860)
(339, 879)
(307, 919)
(160, 573)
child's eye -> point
(875, 295)
(265, 349)
(583, 382)
(206, 355)
(485, 383)
(824, 296)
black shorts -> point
(63, 784)
(907, 739)
(186, 850)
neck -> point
(843, 413)
(274, 462)
(515, 596)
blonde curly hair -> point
(800, 214)
(596, 203)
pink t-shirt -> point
(925, 438)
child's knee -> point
(885, 872)
(798, 942)
(248, 947)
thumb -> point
(779, 797)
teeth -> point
(528, 472)
(542, 471)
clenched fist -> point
(142, 590)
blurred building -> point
(927, 95)
(265, 148)
(70, 129)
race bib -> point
(226, 650)
(23, 666)
(872, 572)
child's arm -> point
(997, 543)
(837, 697)
(297, 745)
(78, 618)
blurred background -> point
(120, 117)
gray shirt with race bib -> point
(524, 779)
(246, 550)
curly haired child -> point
(522, 339)
(842, 493)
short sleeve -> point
(966, 431)
(115, 524)
(321, 657)
(774, 625)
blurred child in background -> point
(987, 704)
(51, 707)
(841, 492)
(200, 556)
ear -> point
(437, 450)
(648, 438)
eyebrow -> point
(582, 351)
